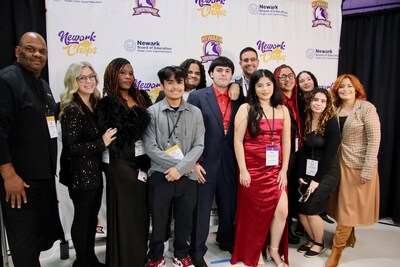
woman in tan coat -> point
(356, 200)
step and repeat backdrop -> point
(152, 34)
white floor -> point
(377, 245)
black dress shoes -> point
(326, 218)
(228, 248)
(293, 239)
(199, 263)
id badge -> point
(175, 152)
(142, 176)
(272, 156)
(51, 124)
(106, 156)
(296, 144)
(311, 167)
(139, 150)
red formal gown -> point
(256, 204)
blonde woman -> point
(80, 165)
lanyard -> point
(271, 130)
(226, 108)
(173, 128)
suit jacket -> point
(361, 136)
(240, 83)
(218, 154)
(24, 136)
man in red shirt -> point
(217, 167)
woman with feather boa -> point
(124, 107)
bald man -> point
(28, 154)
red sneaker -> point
(184, 262)
(156, 263)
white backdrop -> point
(152, 34)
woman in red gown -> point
(262, 148)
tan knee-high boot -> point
(351, 241)
(342, 234)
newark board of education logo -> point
(211, 47)
(145, 7)
(321, 14)
(78, 44)
(267, 10)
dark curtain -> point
(16, 18)
(370, 49)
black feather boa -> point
(131, 124)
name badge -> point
(142, 176)
(106, 156)
(175, 152)
(296, 144)
(311, 167)
(272, 156)
(139, 150)
(51, 124)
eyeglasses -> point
(304, 196)
(84, 78)
(246, 60)
(284, 77)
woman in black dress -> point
(80, 164)
(318, 167)
(124, 107)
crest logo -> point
(146, 7)
(211, 8)
(320, 13)
(78, 44)
(211, 47)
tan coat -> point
(353, 203)
(361, 136)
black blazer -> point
(24, 136)
(80, 162)
(218, 147)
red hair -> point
(359, 88)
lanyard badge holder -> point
(271, 151)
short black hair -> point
(247, 49)
(222, 62)
(169, 71)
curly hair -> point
(359, 88)
(71, 85)
(111, 88)
(186, 64)
(326, 115)
(255, 109)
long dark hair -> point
(186, 64)
(326, 115)
(255, 109)
(111, 83)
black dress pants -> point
(183, 194)
(35, 226)
(83, 231)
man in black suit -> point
(28, 154)
(217, 167)
(248, 61)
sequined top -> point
(80, 164)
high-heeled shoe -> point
(269, 257)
